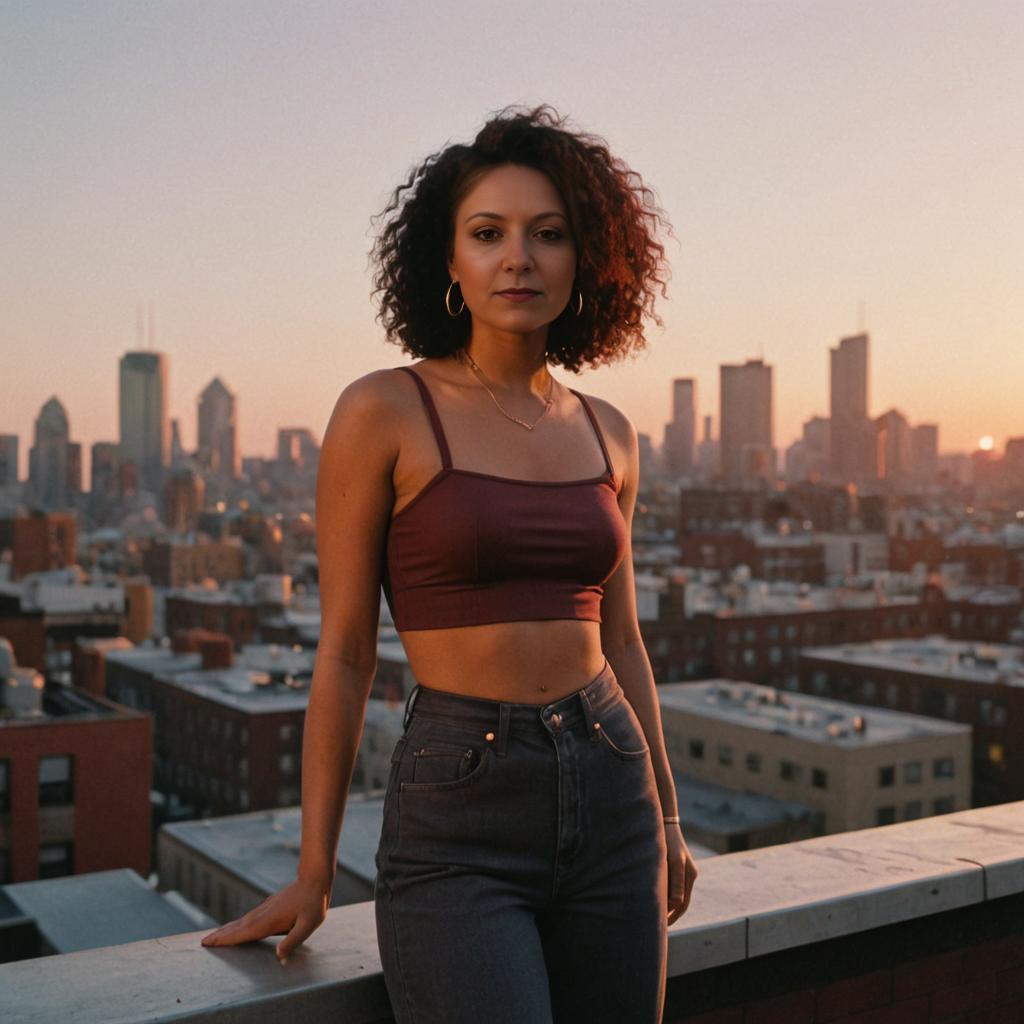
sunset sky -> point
(223, 159)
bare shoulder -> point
(373, 402)
(615, 424)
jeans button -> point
(557, 719)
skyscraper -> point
(852, 455)
(145, 426)
(51, 464)
(217, 447)
(746, 421)
(680, 434)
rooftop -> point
(934, 655)
(802, 716)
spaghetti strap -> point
(435, 420)
(597, 430)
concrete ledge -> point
(745, 905)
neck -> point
(515, 364)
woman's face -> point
(512, 231)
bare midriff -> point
(529, 662)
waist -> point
(593, 699)
(527, 662)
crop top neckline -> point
(447, 469)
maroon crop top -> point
(472, 548)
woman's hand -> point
(296, 911)
(682, 872)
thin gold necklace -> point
(515, 419)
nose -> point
(517, 253)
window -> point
(912, 771)
(286, 732)
(944, 805)
(790, 771)
(887, 777)
(55, 782)
(995, 753)
(753, 762)
(55, 860)
(749, 657)
(892, 695)
(5, 866)
(724, 755)
(885, 815)
(286, 762)
(697, 750)
(819, 778)
(5, 786)
(943, 768)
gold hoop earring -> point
(579, 305)
(447, 300)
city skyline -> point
(826, 170)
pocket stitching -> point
(466, 780)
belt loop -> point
(589, 715)
(410, 703)
(504, 715)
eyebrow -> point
(498, 216)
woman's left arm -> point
(623, 646)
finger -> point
(298, 934)
(254, 925)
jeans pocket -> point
(622, 733)
(441, 758)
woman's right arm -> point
(354, 498)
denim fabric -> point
(522, 879)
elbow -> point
(616, 644)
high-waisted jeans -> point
(521, 870)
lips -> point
(519, 291)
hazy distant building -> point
(183, 499)
(1013, 461)
(807, 458)
(54, 463)
(852, 439)
(681, 432)
(105, 471)
(924, 451)
(8, 460)
(747, 450)
(296, 448)
(647, 458)
(707, 452)
(893, 461)
(178, 453)
(145, 427)
(217, 447)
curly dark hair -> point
(619, 260)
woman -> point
(530, 858)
